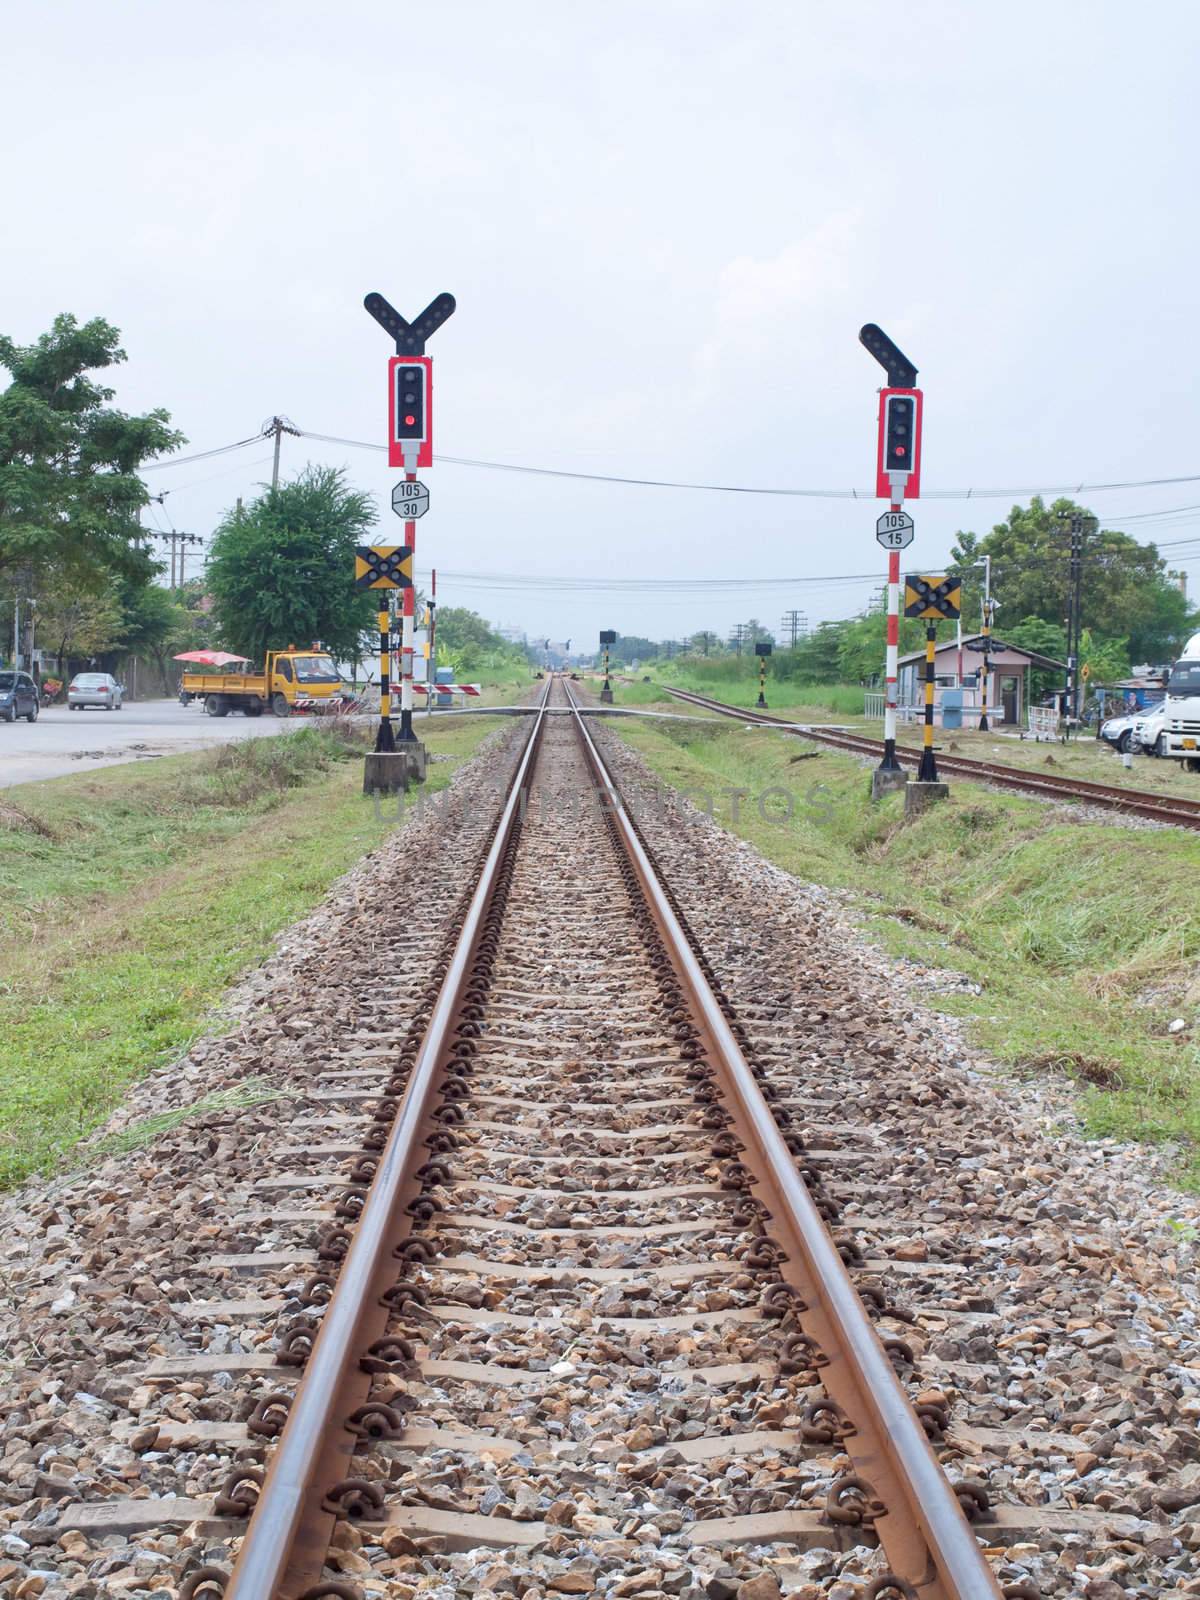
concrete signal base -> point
(884, 780)
(919, 797)
(606, 698)
(390, 771)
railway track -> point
(673, 1099)
(575, 1268)
(1176, 810)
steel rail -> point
(282, 1543)
(1177, 810)
(924, 1531)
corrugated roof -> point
(1034, 656)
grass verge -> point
(1082, 937)
(735, 681)
(132, 896)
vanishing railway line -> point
(1175, 809)
(570, 1261)
(652, 1145)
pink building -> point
(1009, 670)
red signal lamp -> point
(899, 446)
(410, 411)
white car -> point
(1149, 732)
(98, 689)
(1118, 731)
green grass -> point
(1084, 938)
(132, 896)
(735, 681)
(253, 1092)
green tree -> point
(1032, 633)
(283, 570)
(69, 485)
(1126, 592)
(156, 623)
(1046, 639)
(460, 629)
(1106, 659)
(1160, 632)
(77, 623)
(815, 656)
(967, 560)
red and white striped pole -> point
(431, 664)
(892, 667)
(407, 736)
(893, 663)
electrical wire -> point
(201, 455)
(738, 488)
(226, 472)
(712, 488)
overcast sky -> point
(664, 222)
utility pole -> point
(1079, 524)
(278, 426)
(184, 540)
(738, 637)
(794, 624)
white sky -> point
(664, 223)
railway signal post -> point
(386, 568)
(399, 756)
(762, 650)
(897, 475)
(608, 637)
(931, 599)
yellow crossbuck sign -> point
(383, 567)
(932, 598)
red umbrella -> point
(210, 658)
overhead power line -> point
(201, 455)
(742, 488)
(1165, 517)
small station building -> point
(958, 684)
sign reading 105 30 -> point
(410, 500)
(894, 530)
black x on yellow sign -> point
(383, 566)
(932, 598)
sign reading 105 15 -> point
(410, 500)
(894, 530)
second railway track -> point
(1177, 810)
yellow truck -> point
(291, 680)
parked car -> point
(18, 697)
(1118, 731)
(94, 689)
(1149, 732)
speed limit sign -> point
(410, 500)
(895, 530)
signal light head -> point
(899, 431)
(411, 404)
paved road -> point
(63, 741)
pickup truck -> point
(291, 680)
